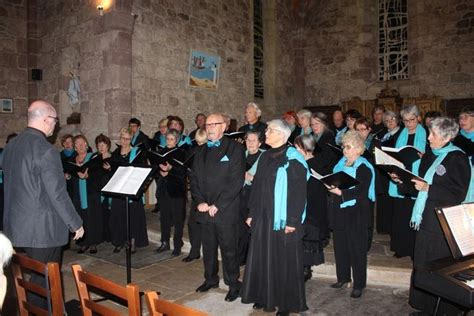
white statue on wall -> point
(74, 91)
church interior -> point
(102, 62)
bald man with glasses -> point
(216, 181)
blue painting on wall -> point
(203, 70)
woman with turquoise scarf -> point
(124, 155)
(350, 215)
(85, 198)
(447, 173)
(274, 269)
(403, 238)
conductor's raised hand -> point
(78, 233)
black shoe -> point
(283, 313)
(83, 249)
(93, 250)
(189, 258)
(206, 287)
(232, 295)
(163, 247)
(356, 293)
(257, 306)
(117, 249)
(176, 252)
(308, 273)
(338, 285)
(155, 210)
(396, 255)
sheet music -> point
(460, 219)
(127, 180)
(470, 284)
(315, 174)
(382, 158)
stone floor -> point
(177, 281)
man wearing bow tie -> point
(216, 181)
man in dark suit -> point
(217, 178)
(38, 210)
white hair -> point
(256, 107)
(304, 113)
(6, 251)
(409, 109)
(281, 126)
(445, 127)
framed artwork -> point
(203, 70)
(6, 105)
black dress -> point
(316, 231)
(350, 230)
(448, 189)
(257, 127)
(384, 202)
(295, 133)
(92, 216)
(172, 197)
(244, 232)
(402, 240)
(274, 271)
(117, 221)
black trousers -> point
(194, 229)
(226, 237)
(350, 251)
(43, 255)
(172, 213)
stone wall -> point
(164, 34)
(341, 52)
(13, 65)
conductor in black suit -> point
(217, 178)
(38, 211)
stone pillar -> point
(114, 85)
(270, 50)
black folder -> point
(405, 154)
(339, 179)
(162, 158)
(72, 168)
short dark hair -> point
(101, 138)
(432, 114)
(177, 119)
(198, 115)
(378, 108)
(66, 137)
(362, 121)
(134, 120)
(352, 113)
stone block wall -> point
(164, 33)
(13, 65)
(341, 52)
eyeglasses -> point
(125, 138)
(362, 129)
(388, 120)
(347, 147)
(209, 125)
(56, 120)
(272, 130)
(412, 120)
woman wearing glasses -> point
(349, 215)
(414, 134)
(125, 154)
(274, 270)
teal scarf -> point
(281, 189)
(184, 139)
(419, 143)
(469, 135)
(351, 170)
(83, 186)
(1, 176)
(306, 131)
(134, 138)
(368, 141)
(339, 134)
(417, 214)
(253, 169)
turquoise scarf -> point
(83, 186)
(351, 170)
(253, 169)
(133, 154)
(306, 131)
(339, 134)
(469, 135)
(419, 143)
(368, 141)
(281, 189)
(68, 152)
(417, 214)
(162, 140)
(134, 138)
(184, 139)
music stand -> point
(120, 185)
